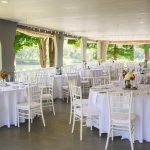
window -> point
(27, 58)
(27, 49)
(139, 54)
(71, 53)
(91, 52)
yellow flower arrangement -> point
(129, 76)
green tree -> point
(76, 42)
(111, 50)
(22, 40)
(91, 47)
(144, 46)
(120, 52)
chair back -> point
(76, 97)
(42, 79)
(20, 76)
(96, 72)
(72, 77)
(49, 87)
(71, 82)
(86, 74)
(120, 102)
(101, 80)
(32, 77)
(34, 94)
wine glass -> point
(9, 78)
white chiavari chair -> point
(42, 79)
(121, 117)
(65, 86)
(47, 94)
(73, 82)
(21, 77)
(33, 105)
(101, 80)
(85, 80)
(32, 77)
(82, 113)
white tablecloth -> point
(141, 107)
(59, 81)
(90, 72)
(9, 97)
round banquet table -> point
(10, 95)
(141, 108)
(59, 81)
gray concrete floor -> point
(57, 135)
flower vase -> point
(127, 84)
(99, 63)
(132, 84)
(4, 82)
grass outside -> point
(23, 67)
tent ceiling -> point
(95, 19)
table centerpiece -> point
(84, 63)
(129, 78)
(3, 76)
(58, 71)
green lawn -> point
(24, 67)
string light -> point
(47, 31)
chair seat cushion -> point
(88, 111)
(25, 106)
(84, 102)
(84, 82)
(65, 87)
(46, 96)
(122, 118)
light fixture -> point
(4, 2)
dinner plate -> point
(15, 83)
(24, 84)
(102, 92)
(15, 87)
(6, 85)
